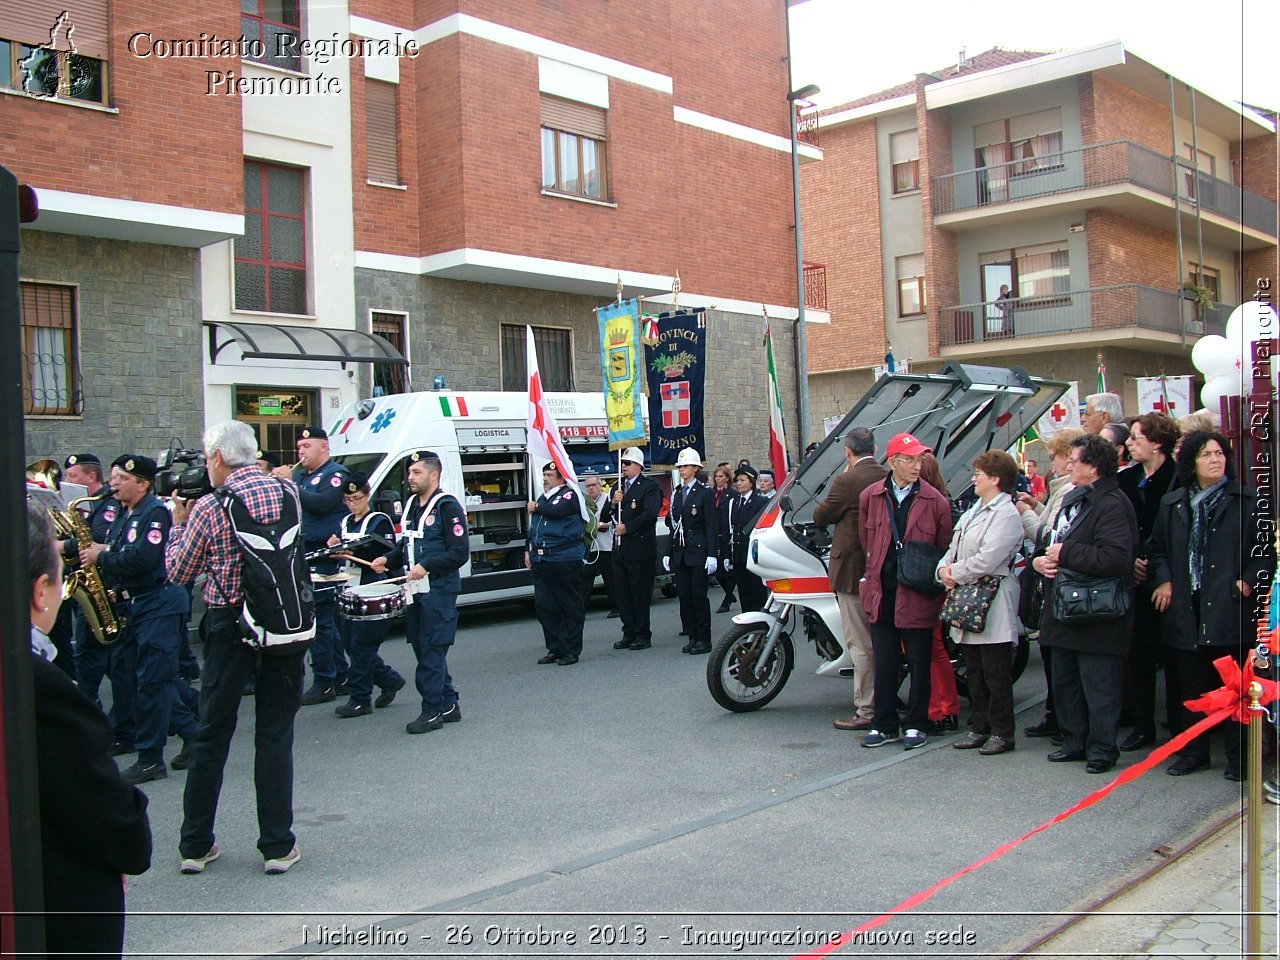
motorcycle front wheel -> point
(736, 680)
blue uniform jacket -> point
(693, 522)
(134, 564)
(555, 527)
(375, 525)
(444, 546)
(102, 514)
(320, 492)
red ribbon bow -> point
(1234, 695)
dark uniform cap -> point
(81, 458)
(269, 458)
(356, 483)
(419, 455)
(144, 468)
(748, 471)
(312, 433)
(550, 465)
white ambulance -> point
(480, 437)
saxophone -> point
(84, 584)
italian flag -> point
(454, 406)
(777, 434)
(1102, 375)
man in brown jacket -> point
(849, 563)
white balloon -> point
(1214, 356)
(1253, 320)
(1219, 387)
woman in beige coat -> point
(985, 542)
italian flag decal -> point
(777, 435)
(454, 407)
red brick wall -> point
(841, 216)
(1125, 251)
(941, 262)
(1254, 165)
(168, 144)
(434, 130)
(385, 218)
(1120, 113)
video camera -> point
(182, 472)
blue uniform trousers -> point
(557, 600)
(229, 663)
(431, 622)
(328, 658)
(122, 668)
(156, 625)
(362, 639)
(91, 656)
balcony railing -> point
(815, 286)
(1118, 161)
(1078, 311)
(806, 123)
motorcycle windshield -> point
(960, 411)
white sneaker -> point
(197, 864)
(281, 864)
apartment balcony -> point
(1078, 318)
(1120, 175)
(815, 286)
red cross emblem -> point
(1058, 412)
(1160, 407)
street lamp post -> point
(802, 339)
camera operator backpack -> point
(279, 607)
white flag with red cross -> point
(1168, 395)
(1065, 412)
(544, 441)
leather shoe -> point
(724, 606)
(1234, 774)
(352, 709)
(318, 693)
(852, 723)
(996, 745)
(1185, 764)
(1136, 741)
(687, 648)
(1047, 727)
(119, 749)
(1065, 756)
(453, 714)
(424, 724)
(972, 741)
(699, 648)
(622, 645)
(613, 615)
(1099, 766)
(640, 645)
(549, 658)
(388, 694)
(568, 661)
(1057, 739)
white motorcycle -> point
(960, 412)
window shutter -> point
(912, 266)
(988, 134)
(1035, 125)
(577, 118)
(382, 140)
(29, 21)
(904, 147)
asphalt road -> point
(573, 803)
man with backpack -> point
(244, 638)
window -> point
(555, 358)
(272, 30)
(904, 155)
(1198, 167)
(573, 154)
(390, 378)
(50, 350)
(271, 257)
(55, 51)
(382, 133)
(1016, 147)
(911, 292)
(1042, 272)
(1208, 277)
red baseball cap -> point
(907, 445)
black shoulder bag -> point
(917, 561)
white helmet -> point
(688, 458)
(633, 455)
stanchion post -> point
(1253, 825)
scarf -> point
(1203, 503)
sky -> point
(850, 48)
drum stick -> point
(394, 580)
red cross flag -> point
(543, 441)
(1168, 395)
(1064, 413)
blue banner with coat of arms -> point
(620, 359)
(676, 367)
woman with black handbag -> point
(1088, 615)
(982, 605)
(1205, 575)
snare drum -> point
(373, 601)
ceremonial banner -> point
(543, 438)
(620, 361)
(676, 368)
(1168, 395)
(1064, 413)
(777, 434)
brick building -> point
(1076, 180)
(255, 212)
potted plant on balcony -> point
(1202, 297)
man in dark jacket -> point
(555, 553)
(848, 564)
(1150, 444)
(898, 511)
(691, 550)
(1096, 535)
(637, 501)
(739, 519)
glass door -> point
(276, 415)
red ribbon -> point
(1227, 702)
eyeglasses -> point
(905, 460)
(353, 496)
(1072, 461)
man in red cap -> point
(901, 511)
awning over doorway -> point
(265, 341)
